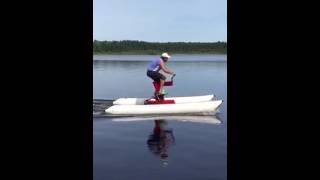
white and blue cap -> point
(166, 55)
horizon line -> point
(164, 41)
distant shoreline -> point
(129, 47)
(141, 53)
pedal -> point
(156, 97)
(160, 97)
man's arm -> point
(165, 69)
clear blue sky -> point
(160, 20)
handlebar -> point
(173, 77)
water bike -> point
(161, 105)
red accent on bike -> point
(168, 83)
(157, 85)
(152, 102)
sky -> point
(160, 20)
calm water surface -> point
(160, 148)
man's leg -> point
(161, 85)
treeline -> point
(142, 47)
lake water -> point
(131, 149)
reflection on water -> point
(209, 119)
(160, 140)
(165, 147)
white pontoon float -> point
(158, 105)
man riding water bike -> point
(155, 66)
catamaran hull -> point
(163, 109)
(177, 100)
